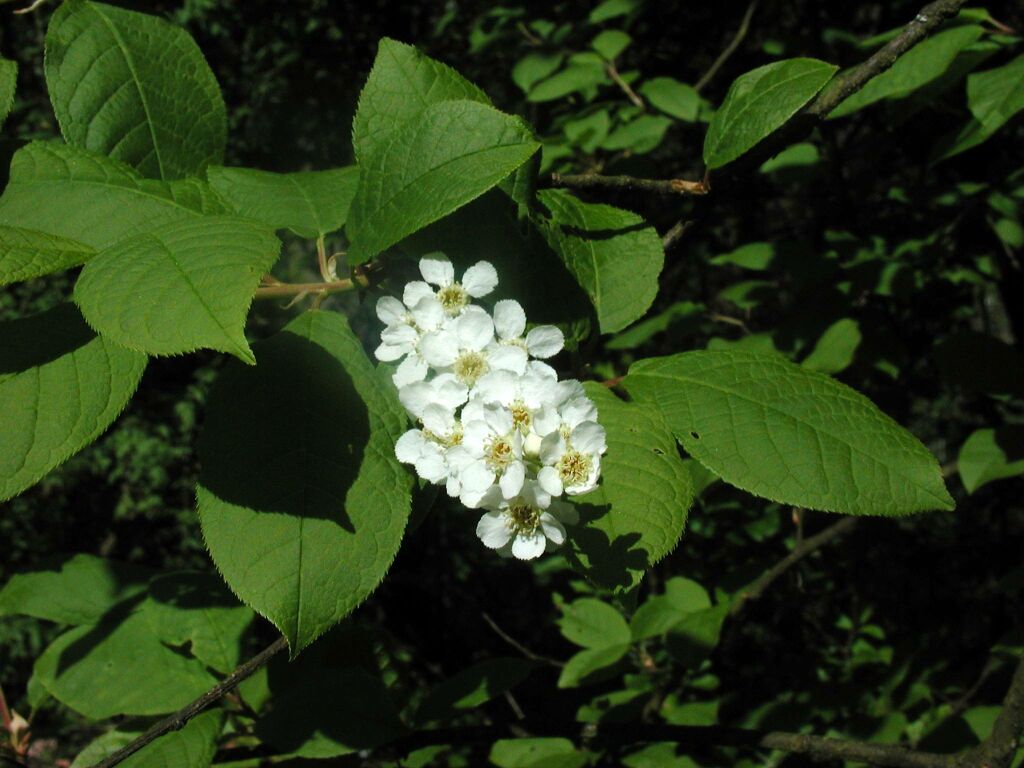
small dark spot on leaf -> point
(658, 451)
(694, 435)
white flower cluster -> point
(497, 427)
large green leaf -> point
(789, 434)
(310, 203)
(198, 610)
(303, 508)
(27, 253)
(916, 68)
(134, 87)
(179, 287)
(759, 102)
(119, 667)
(61, 386)
(592, 623)
(8, 83)
(613, 254)
(92, 199)
(402, 84)
(451, 154)
(994, 96)
(637, 513)
(192, 747)
(78, 590)
(991, 454)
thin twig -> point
(804, 548)
(613, 73)
(675, 234)
(30, 8)
(999, 749)
(519, 646)
(179, 719)
(628, 183)
(280, 290)
(729, 49)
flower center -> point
(469, 367)
(522, 518)
(450, 440)
(499, 453)
(453, 298)
(521, 416)
(573, 467)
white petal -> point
(512, 479)
(550, 481)
(498, 419)
(449, 391)
(431, 467)
(496, 387)
(415, 397)
(493, 530)
(415, 292)
(413, 368)
(589, 437)
(545, 341)
(400, 335)
(480, 279)
(409, 446)
(475, 435)
(546, 421)
(475, 329)
(437, 270)
(440, 348)
(507, 357)
(535, 495)
(552, 448)
(577, 411)
(428, 313)
(529, 547)
(438, 419)
(509, 319)
(477, 477)
(388, 353)
(570, 389)
(552, 528)
(390, 310)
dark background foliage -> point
(848, 638)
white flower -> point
(525, 526)
(463, 347)
(493, 452)
(429, 449)
(542, 341)
(572, 463)
(523, 396)
(403, 332)
(478, 281)
(445, 391)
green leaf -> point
(134, 87)
(323, 514)
(658, 614)
(453, 153)
(592, 623)
(689, 712)
(92, 199)
(8, 84)
(673, 98)
(198, 610)
(923, 63)
(26, 253)
(638, 136)
(537, 753)
(534, 67)
(119, 667)
(179, 287)
(592, 665)
(611, 43)
(614, 256)
(758, 103)
(192, 747)
(991, 454)
(792, 158)
(573, 79)
(795, 436)
(402, 85)
(695, 636)
(611, 9)
(637, 514)
(755, 256)
(993, 96)
(310, 203)
(61, 386)
(472, 687)
(78, 590)
(342, 712)
(836, 347)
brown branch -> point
(999, 749)
(613, 73)
(730, 49)
(628, 183)
(804, 548)
(675, 234)
(519, 646)
(278, 290)
(179, 719)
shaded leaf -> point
(192, 747)
(592, 665)
(993, 96)
(8, 84)
(472, 687)
(26, 253)
(991, 454)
